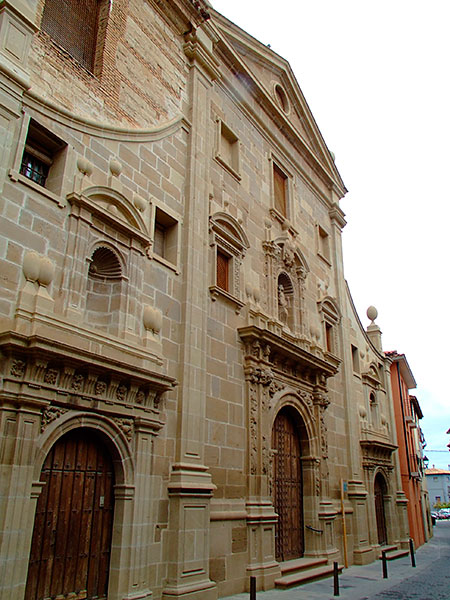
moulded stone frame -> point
(224, 130)
(228, 235)
(62, 164)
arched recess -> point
(286, 300)
(289, 444)
(102, 217)
(286, 266)
(105, 290)
(380, 492)
(85, 472)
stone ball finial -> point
(372, 313)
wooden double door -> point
(288, 488)
(71, 542)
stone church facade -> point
(186, 388)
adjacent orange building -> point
(409, 437)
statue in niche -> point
(283, 305)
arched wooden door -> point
(71, 542)
(287, 488)
(380, 491)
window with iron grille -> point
(73, 25)
(41, 150)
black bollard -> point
(411, 551)
(336, 578)
(252, 588)
(384, 561)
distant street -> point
(430, 583)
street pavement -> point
(429, 580)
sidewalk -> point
(363, 582)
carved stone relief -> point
(50, 414)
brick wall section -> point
(139, 71)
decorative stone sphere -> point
(148, 317)
(115, 167)
(84, 166)
(31, 265)
(139, 202)
(372, 313)
(46, 271)
(152, 319)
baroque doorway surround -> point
(285, 378)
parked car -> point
(443, 513)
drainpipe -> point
(403, 419)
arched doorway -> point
(71, 543)
(380, 492)
(288, 486)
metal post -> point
(252, 588)
(384, 561)
(336, 578)
(411, 551)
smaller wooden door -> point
(380, 491)
(72, 533)
(288, 493)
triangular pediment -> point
(272, 76)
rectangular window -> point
(165, 239)
(329, 337)
(324, 244)
(228, 149)
(355, 359)
(223, 271)
(42, 159)
(280, 190)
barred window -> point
(73, 25)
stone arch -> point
(114, 439)
(115, 442)
(301, 403)
(117, 205)
(230, 229)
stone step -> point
(300, 564)
(395, 553)
(305, 576)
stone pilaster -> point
(190, 487)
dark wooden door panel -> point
(288, 496)
(379, 512)
(72, 534)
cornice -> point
(64, 117)
(274, 344)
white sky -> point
(376, 77)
